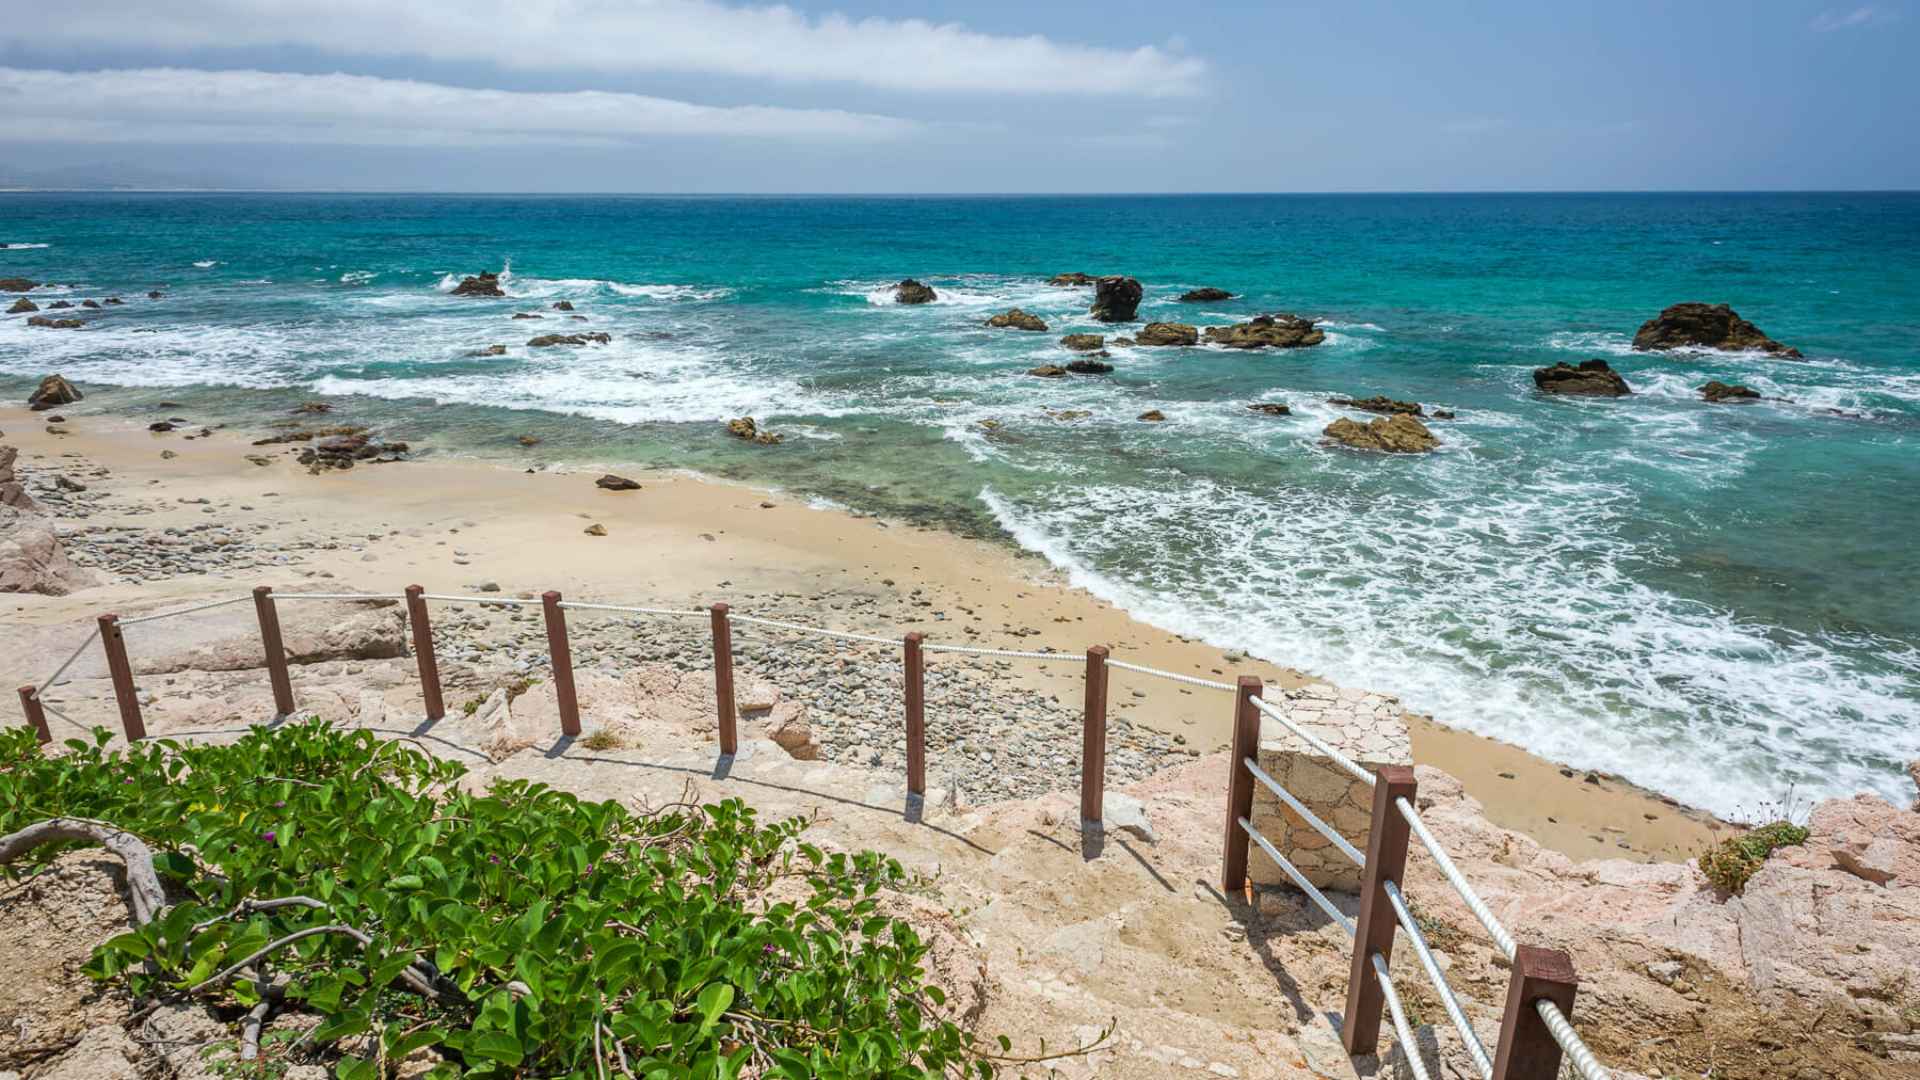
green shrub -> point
(543, 935)
(1732, 861)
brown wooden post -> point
(429, 667)
(1246, 744)
(269, 615)
(1527, 1049)
(124, 693)
(916, 715)
(1093, 740)
(36, 715)
(723, 679)
(562, 655)
(1373, 931)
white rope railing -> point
(1299, 878)
(62, 669)
(800, 628)
(1584, 1062)
(1191, 680)
(1306, 815)
(184, 611)
(503, 601)
(1400, 1026)
(338, 596)
(1314, 741)
(1005, 654)
(1508, 947)
(48, 708)
(575, 606)
(1439, 980)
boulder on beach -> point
(1167, 333)
(1073, 279)
(1115, 299)
(1088, 366)
(914, 292)
(1379, 403)
(1204, 295)
(16, 284)
(53, 390)
(1084, 342)
(1016, 319)
(1267, 331)
(343, 450)
(743, 427)
(485, 283)
(1271, 408)
(1397, 434)
(23, 306)
(610, 481)
(1710, 326)
(54, 324)
(1593, 378)
(32, 559)
(1719, 391)
(1048, 371)
(1153, 416)
(549, 340)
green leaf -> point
(714, 1000)
(497, 1046)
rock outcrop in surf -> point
(911, 291)
(1707, 326)
(1267, 331)
(1115, 299)
(485, 283)
(1592, 378)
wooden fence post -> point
(36, 716)
(1527, 1049)
(562, 656)
(124, 693)
(1374, 929)
(1246, 744)
(916, 714)
(423, 653)
(1093, 740)
(723, 680)
(270, 643)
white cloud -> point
(177, 105)
(1841, 19)
(625, 36)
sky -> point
(987, 96)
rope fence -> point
(1535, 1032)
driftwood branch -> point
(143, 885)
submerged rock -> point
(563, 305)
(59, 305)
(1719, 391)
(914, 292)
(53, 390)
(1203, 295)
(1271, 408)
(1073, 279)
(1397, 434)
(1084, 342)
(23, 306)
(1153, 416)
(1593, 378)
(1380, 403)
(1267, 331)
(485, 283)
(491, 350)
(527, 315)
(310, 407)
(1048, 371)
(1115, 299)
(1711, 326)
(1167, 333)
(1089, 366)
(1016, 319)
(744, 428)
(17, 284)
(548, 340)
(54, 324)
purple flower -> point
(267, 836)
(766, 950)
(126, 779)
(494, 859)
(281, 805)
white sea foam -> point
(358, 277)
(207, 264)
(23, 246)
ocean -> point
(1715, 601)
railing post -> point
(1528, 1050)
(276, 652)
(916, 714)
(36, 716)
(723, 680)
(1246, 744)
(122, 673)
(423, 652)
(1374, 929)
(562, 656)
(1093, 740)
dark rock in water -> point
(1167, 333)
(485, 283)
(491, 350)
(308, 407)
(1016, 319)
(744, 428)
(22, 306)
(1443, 414)
(341, 451)
(609, 481)
(155, 295)
(1048, 371)
(1075, 278)
(113, 300)
(56, 419)
(1271, 408)
(1711, 326)
(1397, 434)
(54, 324)
(563, 305)
(1719, 391)
(16, 284)
(1153, 416)
(1081, 342)
(1267, 331)
(578, 318)
(527, 315)
(93, 304)
(1115, 299)
(1088, 366)
(1201, 296)
(59, 305)
(546, 340)
(533, 440)
(160, 425)
(1593, 378)
(1123, 342)
(914, 292)
(1380, 403)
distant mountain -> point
(121, 176)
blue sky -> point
(988, 96)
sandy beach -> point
(455, 525)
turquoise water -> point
(1716, 601)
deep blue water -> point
(1717, 601)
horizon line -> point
(35, 190)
